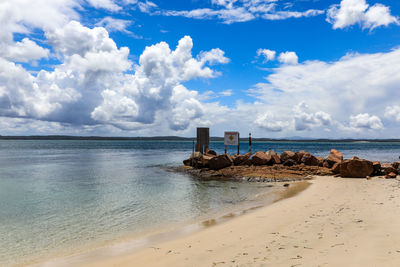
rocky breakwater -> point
(288, 166)
(260, 166)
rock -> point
(368, 177)
(288, 155)
(210, 152)
(334, 157)
(274, 156)
(239, 159)
(187, 162)
(377, 168)
(326, 164)
(391, 175)
(220, 162)
(321, 161)
(289, 162)
(356, 168)
(355, 158)
(388, 168)
(300, 155)
(336, 168)
(396, 165)
(309, 160)
(261, 158)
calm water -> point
(60, 197)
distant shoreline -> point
(178, 138)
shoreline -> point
(335, 222)
(146, 239)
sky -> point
(275, 68)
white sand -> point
(335, 222)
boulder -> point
(261, 158)
(300, 155)
(210, 152)
(239, 159)
(388, 168)
(274, 156)
(334, 157)
(336, 168)
(321, 161)
(356, 168)
(325, 164)
(289, 162)
(187, 162)
(220, 162)
(288, 155)
(377, 168)
(309, 160)
(396, 165)
(391, 175)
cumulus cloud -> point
(351, 12)
(393, 112)
(269, 123)
(24, 51)
(106, 4)
(304, 119)
(268, 55)
(288, 58)
(366, 121)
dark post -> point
(250, 142)
(203, 139)
(193, 147)
(238, 144)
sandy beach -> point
(334, 222)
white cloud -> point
(269, 123)
(304, 119)
(24, 51)
(232, 11)
(365, 121)
(393, 112)
(288, 58)
(268, 55)
(106, 4)
(114, 25)
(351, 12)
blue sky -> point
(131, 68)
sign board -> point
(231, 138)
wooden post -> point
(250, 142)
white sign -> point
(231, 138)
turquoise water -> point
(61, 197)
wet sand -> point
(335, 222)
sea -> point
(62, 197)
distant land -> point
(178, 138)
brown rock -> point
(391, 175)
(388, 168)
(289, 162)
(275, 157)
(355, 158)
(220, 162)
(334, 157)
(309, 160)
(210, 152)
(321, 161)
(239, 159)
(356, 168)
(261, 158)
(325, 164)
(377, 167)
(336, 168)
(396, 165)
(300, 155)
(288, 155)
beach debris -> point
(356, 168)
